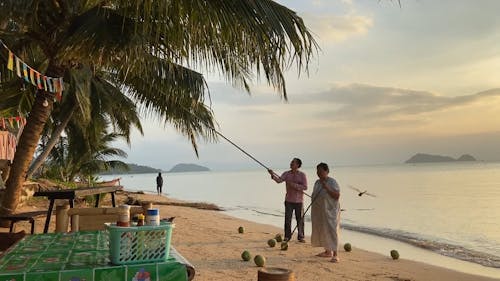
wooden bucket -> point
(275, 274)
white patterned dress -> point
(325, 216)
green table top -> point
(78, 256)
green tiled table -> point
(80, 256)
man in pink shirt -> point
(296, 183)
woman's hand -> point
(323, 184)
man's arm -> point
(274, 176)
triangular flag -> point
(18, 67)
(49, 84)
(44, 78)
(25, 72)
(11, 122)
(56, 84)
(38, 81)
(10, 63)
(32, 76)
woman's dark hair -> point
(299, 162)
(323, 166)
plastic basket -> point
(139, 244)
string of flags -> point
(14, 122)
(32, 76)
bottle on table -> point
(153, 217)
(140, 220)
(123, 216)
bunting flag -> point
(32, 76)
(38, 81)
(16, 122)
(25, 72)
(18, 67)
(10, 64)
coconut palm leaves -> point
(237, 37)
(72, 159)
(147, 51)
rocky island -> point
(179, 168)
(429, 158)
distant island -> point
(179, 168)
(428, 158)
(132, 169)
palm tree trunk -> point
(25, 149)
(54, 138)
(4, 169)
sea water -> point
(446, 214)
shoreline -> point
(372, 243)
(211, 242)
(382, 245)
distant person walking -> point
(325, 213)
(296, 183)
(159, 183)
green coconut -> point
(271, 243)
(394, 254)
(259, 260)
(347, 247)
(241, 229)
(246, 256)
(284, 246)
(278, 237)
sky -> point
(388, 82)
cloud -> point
(363, 109)
(360, 101)
(352, 123)
(332, 28)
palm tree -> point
(84, 106)
(73, 158)
(137, 44)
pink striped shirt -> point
(296, 183)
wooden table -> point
(72, 194)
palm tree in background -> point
(73, 159)
(145, 50)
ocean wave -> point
(445, 249)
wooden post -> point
(146, 206)
(75, 223)
(62, 219)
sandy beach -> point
(211, 242)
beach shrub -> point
(347, 247)
(246, 256)
(271, 243)
(278, 237)
(259, 260)
(241, 229)
(284, 246)
(394, 254)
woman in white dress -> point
(325, 213)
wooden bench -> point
(26, 216)
(72, 194)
